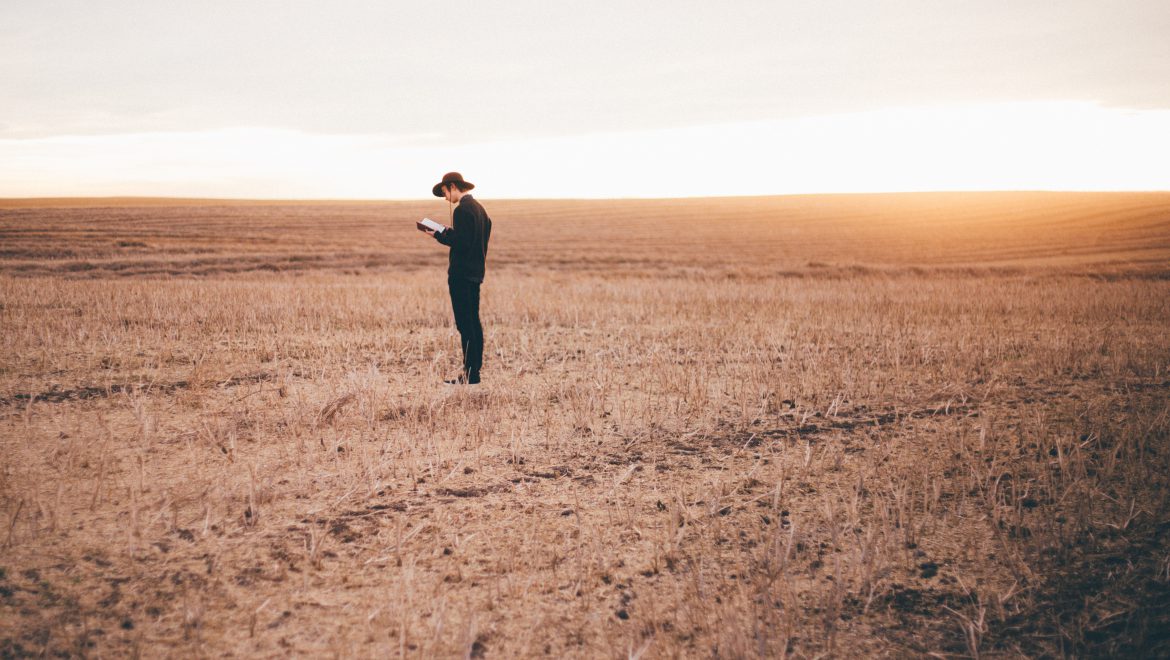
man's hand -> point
(429, 226)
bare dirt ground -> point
(878, 425)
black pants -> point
(465, 304)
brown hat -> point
(455, 178)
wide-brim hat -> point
(455, 178)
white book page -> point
(431, 224)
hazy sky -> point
(379, 98)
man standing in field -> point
(468, 239)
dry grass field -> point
(875, 425)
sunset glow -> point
(375, 100)
(1055, 146)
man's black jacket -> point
(468, 237)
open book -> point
(427, 223)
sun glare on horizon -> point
(1007, 146)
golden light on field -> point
(788, 426)
(1054, 146)
(725, 411)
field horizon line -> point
(163, 200)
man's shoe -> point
(463, 379)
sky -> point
(376, 100)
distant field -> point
(775, 235)
(809, 426)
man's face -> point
(449, 192)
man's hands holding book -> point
(429, 226)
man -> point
(468, 239)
